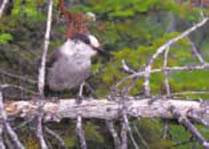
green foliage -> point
(181, 81)
(180, 134)
(5, 37)
(28, 8)
(180, 54)
(151, 131)
(126, 8)
(92, 133)
(70, 141)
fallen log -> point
(106, 109)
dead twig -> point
(39, 130)
(175, 68)
(56, 136)
(123, 135)
(42, 69)
(3, 5)
(189, 92)
(141, 137)
(148, 68)
(7, 126)
(116, 138)
(20, 88)
(166, 82)
(13, 76)
(2, 146)
(80, 132)
(126, 122)
(197, 54)
(41, 77)
(183, 120)
(127, 68)
(168, 90)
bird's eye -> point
(86, 40)
(82, 38)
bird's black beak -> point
(101, 51)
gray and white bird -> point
(71, 63)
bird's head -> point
(90, 44)
(82, 44)
(93, 41)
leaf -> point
(5, 37)
(123, 13)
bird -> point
(70, 65)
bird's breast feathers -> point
(68, 73)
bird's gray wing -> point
(53, 56)
(67, 73)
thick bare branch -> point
(41, 77)
(128, 128)
(116, 138)
(2, 7)
(42, 69)
(80, 133)
(39, 130)
(105, 109)
(6, 124)
(123, 135)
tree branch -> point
(197, 54)
(80, 132)
(55, 135)
(41, 77)
(113, 131)
(105, 109)
(166, 81)
(183, 120)
(7, 126)
(21, 78)
(148, 68)
(42, 69)
(175, 68)
(2, 7)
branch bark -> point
(41, 77)
(182, 119)
(3, 5)
(105, 109)
(80, 133)
(14, 138)
(42, 69)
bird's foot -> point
(79, 99)
(80, 94)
